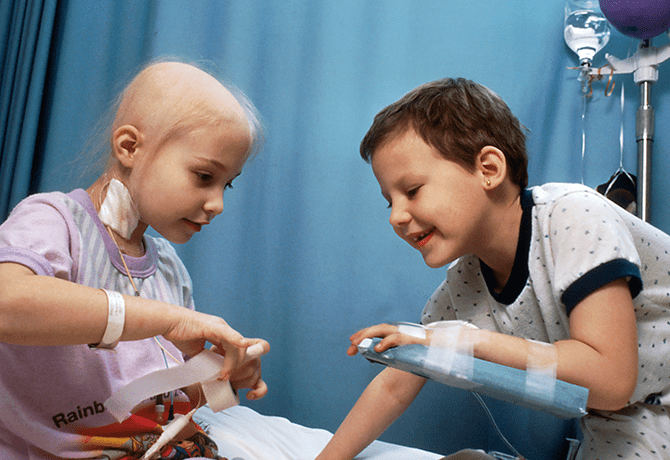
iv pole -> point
(644, 136)
(643, 65)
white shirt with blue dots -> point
(576, 242)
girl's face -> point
(437, 205)
(179, 188)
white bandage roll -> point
(219, 394)
(203, 368)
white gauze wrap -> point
(118, 211)
(203, 368)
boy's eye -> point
(412, 192)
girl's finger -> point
(233, 358)
(260, 390)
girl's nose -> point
(399, 216)
(214, 205)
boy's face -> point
(179, 188)
(437, 205)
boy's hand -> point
(390, 335)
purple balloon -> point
(638, 18)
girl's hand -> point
(192, 330)
(390, 335)
(248, 374)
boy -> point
(557, 264)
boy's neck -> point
(500, 252)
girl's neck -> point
(133, 246)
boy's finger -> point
(380, 330)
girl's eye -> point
(229, 184)
(204, 177)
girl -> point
(558, 264)
(89, 303)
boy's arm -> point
(382, 402)
(600, 355)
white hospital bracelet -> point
(116, 309)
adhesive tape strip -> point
(541, 370)
(415, 330)
(448, 349)
(202, 367)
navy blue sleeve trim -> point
(599, 277)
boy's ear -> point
(125, 142)
(491, 164)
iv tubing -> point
(495, 425)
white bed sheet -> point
(243, 434)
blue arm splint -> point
(501, 382)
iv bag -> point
(586, 30)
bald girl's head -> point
(172, 98)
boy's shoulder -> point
(574, 201)
(552, 192)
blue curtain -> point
(26, 29)
(303, 255)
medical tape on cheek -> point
(541, 370)
(450, 350)
(203, 368)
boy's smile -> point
(437, 205)
(423, 238)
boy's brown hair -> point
(458, 118)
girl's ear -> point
(126, 140)
(491, 164)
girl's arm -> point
(43, 310)
(383, 401)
